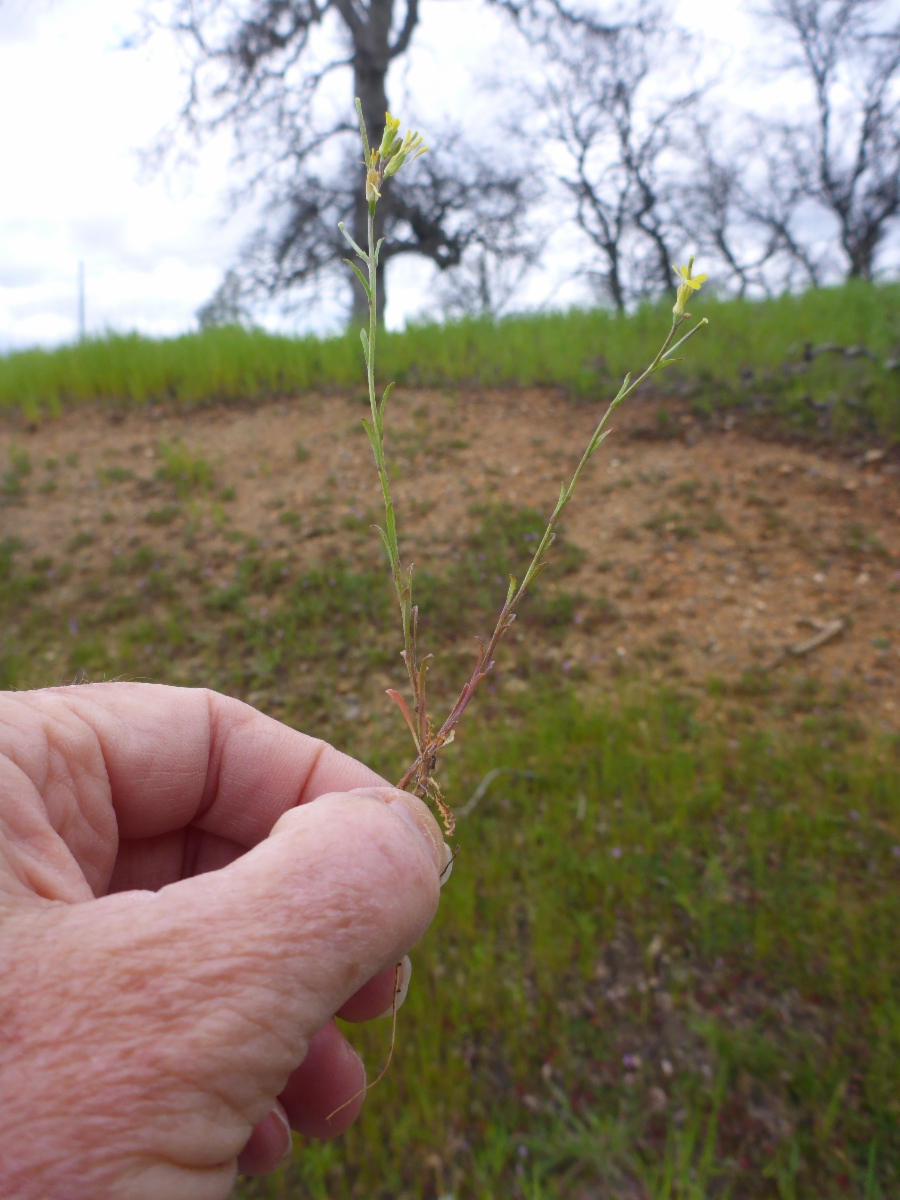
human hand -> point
(178, 926)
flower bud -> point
(391, 128)
(395, 164)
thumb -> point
(170, 1021)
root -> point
(381, 1074)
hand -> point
(189, 891)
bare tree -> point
(743, 213)
(224, 307)
(847, 158)
(486, 284)
(281, 76)
(617, 127)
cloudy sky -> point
(75, 109)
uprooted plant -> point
(381, 163)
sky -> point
(76, 110)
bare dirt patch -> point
(707, 552)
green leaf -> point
(362, 130)
(602, 438)
(387, 392)
(378, 250)
(385, 542)
(624, 388)
(360, 277)
(372, 438)
(537, 570)
(512, 588)
(362, 254)
(364, 338)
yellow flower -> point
(411, 145)
(687, 284)
(390, 156)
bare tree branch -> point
(269, 71)
(614, 119)
(847, 159)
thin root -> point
(381, 1074)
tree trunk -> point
(614, 279)
(370, 65)
(860, 248)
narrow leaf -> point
(387, 392)
(362, 254)
(423, 667)
(384, 539)
(401, 704)
(512, 588)
(364, 338)
(362, 130)
(624, 388)
(371, 435)
(537, 570)
(378, 250)
(602, 438)
(480, 653)
(360, 277)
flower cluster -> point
(390, 156)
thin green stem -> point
(600, 433)
(380, 164)
(403, 587)
(485, 658)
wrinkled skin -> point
(189, 892)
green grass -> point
(665, 966)
(752, 356)
(257, 628)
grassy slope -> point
(752, 354)
(665, 959)
(669, 956)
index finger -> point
(172, 757)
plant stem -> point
(381, 163)
(421, 767)
(403, 587)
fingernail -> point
(415, 812)
(448, 865)
(403, 986)
(282, 1116)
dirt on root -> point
(708, 552)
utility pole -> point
(81, 301)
